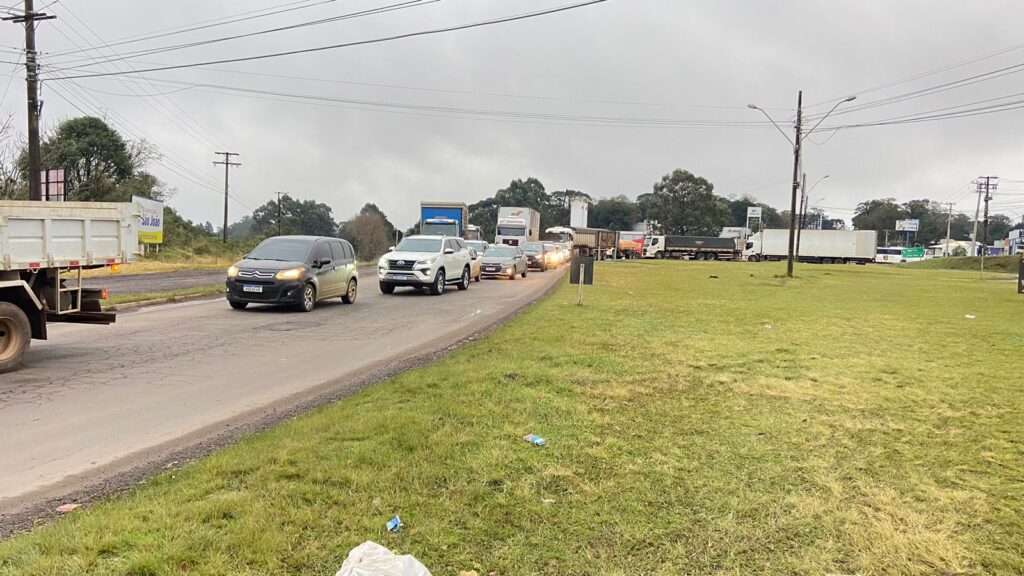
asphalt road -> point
(156, 282)
(95, 404)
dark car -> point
(296, 270)
(537, 255)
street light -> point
(796, 164)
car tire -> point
(437, 288)
(524, 272)
(464, 281)
(753, 258)
(308, 301)
(351, 292)
(387, 288)
(659, 255)
(238, 305)
(512, 276)
(544, 268)
(15, 336)
(479, 276)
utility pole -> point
(227, 164)
(29, 19)
(279, 194)
(977, 215)
(796, 181)
(949, 228)
(803, 211)
(984, 229)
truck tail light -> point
(105, 294)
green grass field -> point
(209, 290)
(1006, 264)
(849, 421)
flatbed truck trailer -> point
(44, 247)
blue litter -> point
(395, 524)
(534, 439)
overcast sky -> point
(655, 60)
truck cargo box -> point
(35, 235)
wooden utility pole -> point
(29, 18)
(796, 182)
(227, 164)
(984, 229)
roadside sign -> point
(909, 253)
(584, 265)
(753, 211)
(908, 225)
(151, 220)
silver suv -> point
(431, 262)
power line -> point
(206, 24)
(362, 104)
(148, 52)
(429, 32)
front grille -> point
(401, 264)
(265, 274)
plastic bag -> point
(372, 559)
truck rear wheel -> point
(15, 335)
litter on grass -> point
(970, 316)
(535, 440)
(372, 559)
(65, 508)
(395, 524)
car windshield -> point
(420, 245)
(532, 247)
(550, 247)
(284, 249)
(478, 246)
(500, 251)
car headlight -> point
(232, 271)
(382, 263)
(293, 274)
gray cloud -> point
(691, 58)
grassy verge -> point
(182, 293)
(852, 420)
(1007, 264)
(154, 266)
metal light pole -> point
(797, 153)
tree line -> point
(102, 166)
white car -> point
(431, 262)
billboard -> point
(151, 220)
(753, 211)
(908, 225)
(579, 211)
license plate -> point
(251, 288)
(400, 276)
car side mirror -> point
(391, 248)
(449, 251)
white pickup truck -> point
(44, 246)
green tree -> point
(528, 193)
(878, 215)
(306, 217)
(770, 217)
(999, 226)
(686, 204)
(618, 213)
(95, 158)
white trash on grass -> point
(372, 559)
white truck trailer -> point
(818, 246)
(517, 226)
(44, 246)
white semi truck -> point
(517, 226)
(818, 246)
(44, 246)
